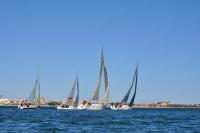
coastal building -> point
(42, 101)
(163, 103)
(4, 101)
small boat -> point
(94, 104)
(26, 106)
(123, 105)
(32, 102)
(70, 105)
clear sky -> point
(66, 36)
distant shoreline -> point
(166, 107)
(136, 107)
(48, 106)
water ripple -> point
(137, 120)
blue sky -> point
(66, 36)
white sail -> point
(105, 101)
(96, 94)
(71, 94)
(32, 97)
(38, 98)
(77, 97)
(105, 76)
(106, 97)
(106, 81)
(32, 102)
(107, 88)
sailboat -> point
(70, 105)
(33, 101)
(123, 105)
(94, 104)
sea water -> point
(136, 120)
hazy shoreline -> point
(136, 107)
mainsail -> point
(38, 98)
(71, 94)
(96, 94)
(107, 89)
(125, 99)
(106, 80)
(32, 97)
(105, 75)
(77, 97)
(133, 98)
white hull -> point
(124, 107)
(94, 106)
(66, 108)
(25, 107)
(81, 107)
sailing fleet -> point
(95, 103)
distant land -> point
(161, 104)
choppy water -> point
(137, 120)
